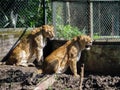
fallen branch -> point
(45, 83)
(81, 76)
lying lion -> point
(32, 44)
(66, 56)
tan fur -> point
(66, 56)
(30, 45)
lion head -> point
(85, 41)
(48, 31)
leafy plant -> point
(27, 12)
(67, 32)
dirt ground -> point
(91, 82)
(21, 78)
(15, 78)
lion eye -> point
(49, 31)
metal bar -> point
(95, 42)
(91, 19)
(103, 42)
(86, 0)
(54, 15)
(70, 0)
(104, 0)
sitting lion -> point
(30, 45)
(67, 55)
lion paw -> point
(77, 75)
(23, 64)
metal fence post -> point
(54, 15)
(91, 19)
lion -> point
(67, 55)
(31, 45)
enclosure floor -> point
(21, 78)
(16, 77)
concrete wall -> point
(100, 59)
(8, 37)
(103, 58)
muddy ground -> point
(21, 78)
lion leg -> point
(22, 60)
(73, 67)
(57, 68)
(39, 55)
(22, 63)
(51, 67)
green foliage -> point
(67, 32)
(30, 12)
(32, 15)
(96, 36)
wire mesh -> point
(106, 19)
(101, 20)
(17, 13)
(70, 18)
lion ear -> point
(75, 38)
(52, 26)
(33, 32)
(36, 30)
(43, 27)
(78, 37)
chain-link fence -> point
(99, 18)
(106, 19)
(21, 13)
(70, 18)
